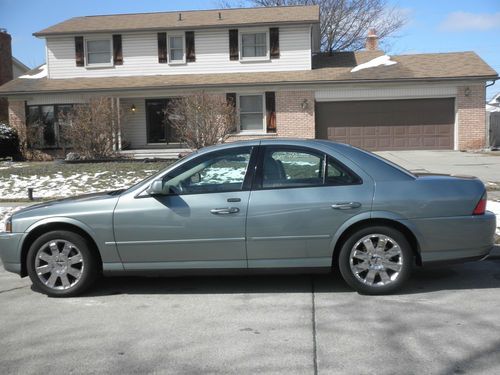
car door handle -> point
(346, 205)
(225, 210)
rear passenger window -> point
(337, 174)
(291, 169)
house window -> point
(47, 125)
(254, 46)
(176, 51)
(251, 111)
(98, 52)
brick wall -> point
(471, 117)
(17, 119)
(291, 119)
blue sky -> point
(434, 26)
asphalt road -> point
(446, 321)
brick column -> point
(291, 119)
(471, 116)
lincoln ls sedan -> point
(299, 205)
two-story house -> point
(267, 61)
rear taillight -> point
(480, 206)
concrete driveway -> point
(446, 321)
(486, 166)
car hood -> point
(71, 200)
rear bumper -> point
(455, 238)
(10, 251)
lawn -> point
(57, 180)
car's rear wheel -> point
(376, 260)
(61, 264)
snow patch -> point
(381, 60)
(41, 74)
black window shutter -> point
(231, 98)
(233, 45)
(271, 111)
(117, 50)
(274, 36)
(162, 47)
(79, 54)
(190, 53)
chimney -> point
(5, 69)
(372, 40)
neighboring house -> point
(18, 68)
(264, 59)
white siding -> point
(378, 92)
(48, 99)
(134, 124)
(140, 55)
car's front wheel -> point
(376, 260)
(61, 264)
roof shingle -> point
(327, 69)
(188, 19)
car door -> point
(300, 198)
(198, 221)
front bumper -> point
(455, 238)
(10, 251)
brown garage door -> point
(415, 124)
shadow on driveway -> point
(475, 275)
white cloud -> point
(463, 21)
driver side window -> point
(216, 172)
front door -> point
(199, 221)
(295, 209)
(159, 128)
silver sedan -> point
(257, 205)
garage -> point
(377, 125)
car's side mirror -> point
(156, 188)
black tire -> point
(406, 254)
(90, 269)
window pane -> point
(99, 58)
(98, 46)
(251, 103)
(291, 169)
(260, 51)
(176, 42)
(214, 173)
(251, 122)
(248, 51)
(176, 55)
(248, 39)
(47, 118)
(336, 174)
(260, 38)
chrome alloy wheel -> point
(59, 264)
(376, 260)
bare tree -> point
(344, 23)
(201, 119)
(90, 127)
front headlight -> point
(8, 224)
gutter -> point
(256, 84)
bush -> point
(9, 142)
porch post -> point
(118, 116)
(113, 128)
